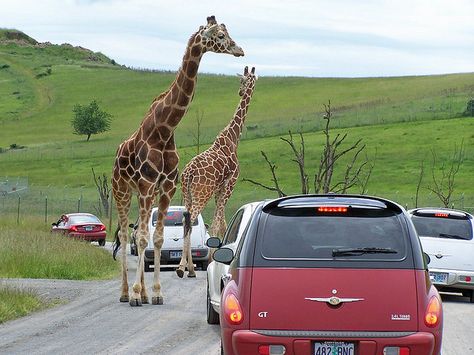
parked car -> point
(82, 226)
(447, 237)
(329, 274)
(215, 270)
(171, 250)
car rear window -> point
(83, 219)
(353, 234)
(443, 226)
(172, 219)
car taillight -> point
(439, 214)
(395, 350)
(433, 312)
(232, 309)
(271, 350)
(332, 209)
(73, 228)
(102, 227)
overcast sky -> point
(318, 38)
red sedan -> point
(82, 226)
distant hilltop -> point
(19, 38)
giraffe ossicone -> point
(146, 164)
(214, 172)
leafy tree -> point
(469, 109)
(90, 119)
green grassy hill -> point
(399, 118)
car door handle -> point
(226, 278)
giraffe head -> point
(247, 80)
(215, 38)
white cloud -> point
(304, 37)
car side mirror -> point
(54, 224)
(213, 242)
(427, 258)
(206, 225)
(223, 255)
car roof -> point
(79, 214)
(440, 209)
(331, 199)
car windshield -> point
(442, 227)
(172, 219)
(362, 234)
(82, 219)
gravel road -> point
(92, 321)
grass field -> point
(401, 120)
(15, 303)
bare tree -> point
(101, 182)
(418, 185)
(197, 132)
(354, 173)
(443, 183)
(276, 188)
(329, 157)
(299, 159)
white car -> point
(217, 271)
(171, 250)
(446, 235)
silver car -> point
(446, 236)
(216, 272)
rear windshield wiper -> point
(453, 236)
(361, 251)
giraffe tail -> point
(187, 222)
(116, 243)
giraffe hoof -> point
(124, 298)
(191, 275)
(135, 302)
(157, 300)
(180, 273)
(145, 300)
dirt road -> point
(94, 322)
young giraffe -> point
(214, 172)
(147, 162)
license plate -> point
(439, 277)
(333, 348)
(88, 228)
(175, 254)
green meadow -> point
(402, 120)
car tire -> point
(102, 242)
(147, 267)
(212, 315)
(471, 298)
(204, 265)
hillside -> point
(42, 82)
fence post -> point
(78, 205)
(46, 210)
(110, 212)
(18, 212)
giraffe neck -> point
(234, 129)
(180, 94)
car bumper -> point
(247, 342)
(170, 256)
(91, 237)
(456, 279)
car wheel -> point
(204, 265)
(472, 296)
(212, 315)
(147, 267)
(102, 242)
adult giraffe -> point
(214, 172)
(147, 162)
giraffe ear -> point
(246, 70)
(211, 20)
(253, 70)
(210, 31)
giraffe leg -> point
(167, 190)
(219, 224)
(187, 250)
(145, 203)
(123, 207)
(187, 229)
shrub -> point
(469, 109)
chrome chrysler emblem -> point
(333, 301)
(439, 255)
